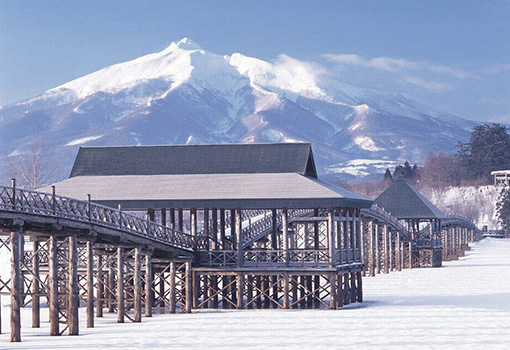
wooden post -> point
(386, 249)
(15, 287)
(398, 250)
(120, 285)
(285, 238)
(189, 287)
(74, 297)
(372, 247)
(193, 225)
(172, 288)
(181, 219)
(331, 238)
(240, 290)
(274, 230)
(223, 239)
(137, 317)
(377, 249)
(148, 286)
(286, 290)
(163, 216)
(111, 284)
(214, 232)
(172, 218)
(53, 290)
(239, 238)
(362, 246)
(391, 251)
(36, 299)
(100, 287)
(410, 255)
(333, 304)
(206, 232)
(90, 284)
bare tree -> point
(32, 167)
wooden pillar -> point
(239, 239)
(372, 247)
(391, 251)
(193, 225)
(161, 292)
(36, 299)
(233, 228)
(15, 287)
(410, 255)
(90, 284)
(386, 249)
(286, 290)
(359, 287)
(181, 219)
(172, 218)
(214, 233)
(240, 290)
(148, 286)
(285, 238)
(171, 295)
(74, 298)
(137, 277)
(362, 247)
(53, 290)
(331, 239)
(274, 230)
(206, 230)
(120, 285)
(111, 283)
(333, 304)
(377, 249)
(100, 286)
(398, 252)
(189, 287)
(222, 229)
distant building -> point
(501, 177)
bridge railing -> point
(32, 202)
(380, 213)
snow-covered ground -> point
(463, 305)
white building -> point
(501, 177)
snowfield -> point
(463, 305)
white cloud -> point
(397, 65)
(427, 85)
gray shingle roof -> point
(196, 159)
(404, 202)
(266, 190)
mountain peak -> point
(185, 44)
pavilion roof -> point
(403, 201)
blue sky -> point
(454, 55)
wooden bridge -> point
(304, 247)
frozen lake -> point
(465, 304)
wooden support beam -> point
(333, 294)
(371, 234)
(189, 287)
(377, 249)
(285, 237)
(239, 238)
(214, 233)
(240, 291)
(163, 216)
(74, 297)
(391, 250)
(171, 296)
(233, 228)
(410, 255)
(274, 230)
(386, 249)
(181, 219)
(331, 239)
(206, 230)
(193, 224)
(53, 289)
(359, 287)
(137, 276)
(111, 284)
(120, 285)
(286, 290)
(100, 287)
(15, 287)
(90, 284)
(223, 239)
(148, 286)
(172, 218)
(36, 299)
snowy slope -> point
(463, 305)
(185, 94)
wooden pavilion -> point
(267, 232)
(422, 218)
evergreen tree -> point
(488, 149)
(503, 208)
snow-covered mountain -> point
(184, 94)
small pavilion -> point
(422, 218)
